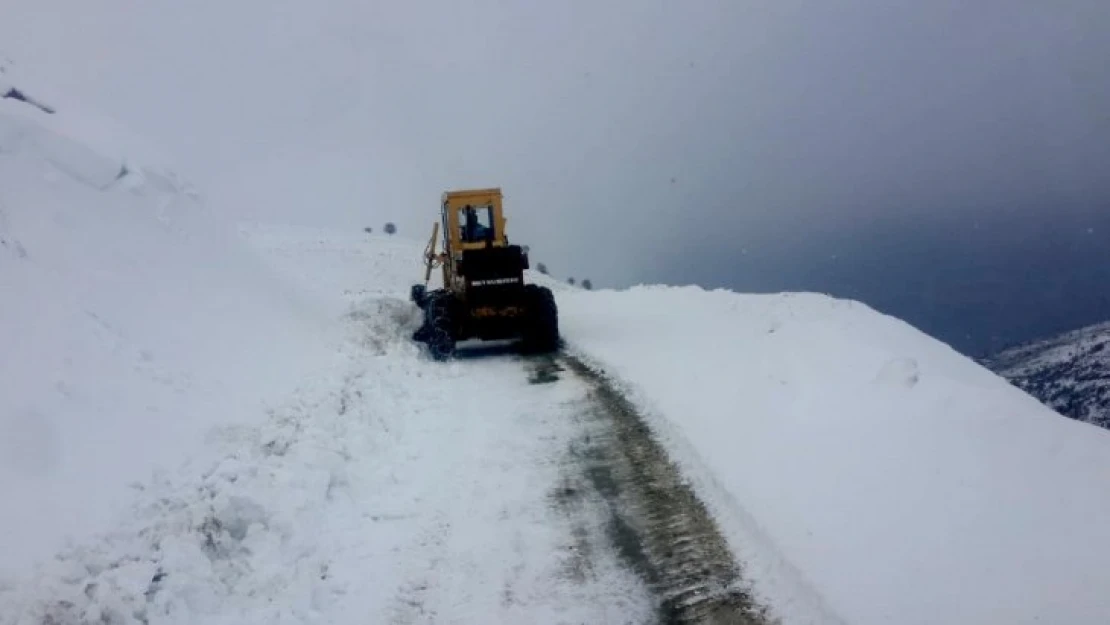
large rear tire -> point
(424, 301)
(441, 326)
(441, 344)
(541, 325)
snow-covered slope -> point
(311, 466)
(225, 434)
(856, 457)
(385, 488)
(1070, 373)
(863, 472)
(132, 320)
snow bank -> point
(132, 321)
(898, 479)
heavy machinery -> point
(483, 295)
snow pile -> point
(132, 321)
(847, 451)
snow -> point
(209, 425)
(1069, 372)
(1034, 356)
(203, 425)
(898, 479)
(91, 148)
(385, 488)
(132, 322)
(367, 497)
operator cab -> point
(476, 224)
(472, 220)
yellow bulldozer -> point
(483, 295)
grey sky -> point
(846, 146)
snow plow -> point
(483, 295)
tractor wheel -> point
(441, 327)
(424, 301)
(441, 343)
(541, 325)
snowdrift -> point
(133, 319)
(850, 454)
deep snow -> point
(133, 320)
(310, 465)
(388, 489)
(244, 434)
(852, 455)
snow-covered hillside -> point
(204, 425)
(133, 320)
(233, 426)
(218, 453)
(1070, 373)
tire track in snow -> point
(655, 521)
(488, 543)
(395, 490)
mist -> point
(944, 162)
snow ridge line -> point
(658, 524)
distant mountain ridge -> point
(1069, 373)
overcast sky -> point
(947, 162)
